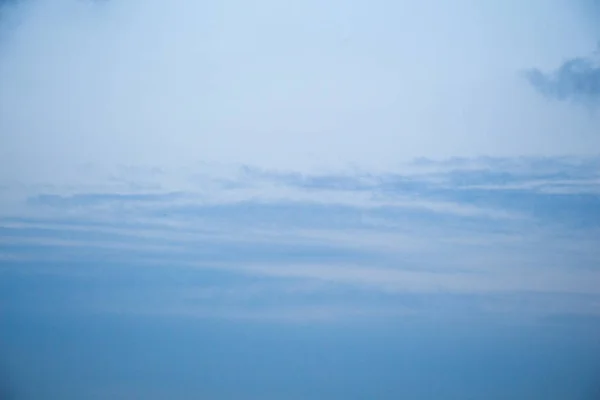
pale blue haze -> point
(322, 200)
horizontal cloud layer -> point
(479, 229)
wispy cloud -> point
(458, 227)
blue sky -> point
(340, 200)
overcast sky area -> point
(299, 200)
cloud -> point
(434, 228)
(480, 189)
(576, 80)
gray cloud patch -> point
(577, 80)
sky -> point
(333, 200)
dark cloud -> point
(577, 80)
